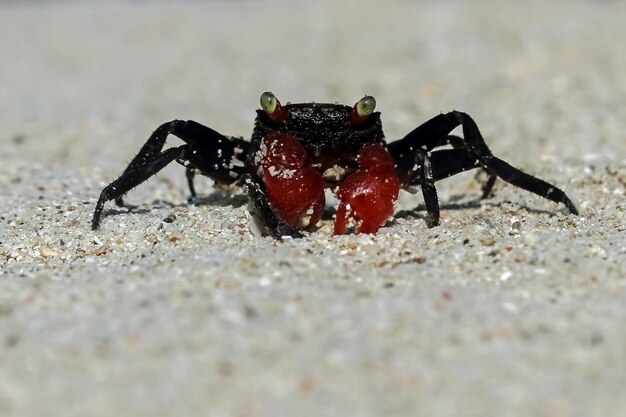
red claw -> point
(293, 191)
(368, 194)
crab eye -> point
(365, 106)
(362, 109)
(268, 102)
(271, 106)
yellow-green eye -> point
(365, 106)
(269, 102)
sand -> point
(511, 307)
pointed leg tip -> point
(431, 222)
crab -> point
(298, 150)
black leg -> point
(130, 179)
(459, 143)
(210, 152)
(449, 162)
(427, 136)
(435, 132)
(527, 182)
(190, 173)
(140, 168)
(508, 173)
(429, 191)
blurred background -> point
(90, 80)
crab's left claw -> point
(368, 194)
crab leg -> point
(435, 132)
(205, 149)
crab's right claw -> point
(293, 190)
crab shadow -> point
(218, 198)
(224, 198)
(420, 212)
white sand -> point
(509, 307)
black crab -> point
(298, 150)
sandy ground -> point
(510, 307)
